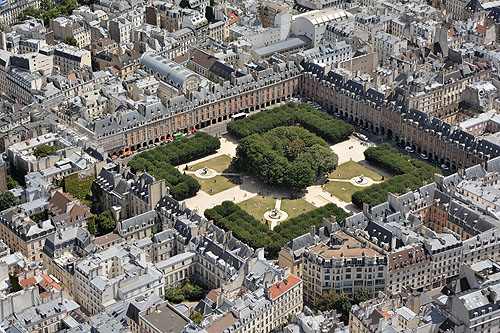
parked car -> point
(444, 167)
(423, 156)
(360, 136)
(409, 149)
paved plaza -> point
(250, 187)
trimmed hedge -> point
(299, 225)
(318, 122)
(249, 230)
(388, 158)
(245, 227)
(411, 174)
(160, 162)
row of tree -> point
(160, 162)
(299, 225)
(389, 159)
(288, 156)
(411, 174)
(318, 122)
(246, 228)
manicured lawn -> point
(295, 207)
(352, 169)
(342, 190)
(217, 183)
(219, 163)
(257, 206)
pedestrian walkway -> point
(316, 196)
(278, 204)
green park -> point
(278, 172)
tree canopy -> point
(285, 156)
(79, 187)
(44, 150)
(196, 317)
(49, 10)
(318, 122)
(14, 281)
(160, 162)
(411, 174)
(342, 303)
(186, 291)
(11, 182)
(246, 228)
(100, 224)
(71, 40)
(7, 200)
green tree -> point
(330, 300)
(44, 150)
(361, 295)
(7, 200)
(184, 4)
(186, 291)
(40, 216)
(95, 64)
(160, 162)
(209, 14)
(343, 306)
(91, 226)
(105, 221)
(327, 300)
(14, 281)
(196, 317)
(29, 12)
(11, 183)
(71, 40)
(300, 175)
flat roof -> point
(166, 320)
(288, 44)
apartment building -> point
(33, 62)
(139, 226)
(409, 268)
(120, 30)
(477, 309)
(47, 317)
(160, 316)
(68, 58)
(73, 25)
(23, 235)
(251, 92)
(177, 268)
(10, 10)
(62, 250)
(387, 45)
(268, 12)
(116, 274)
(343, 265)
(428, 135)
(127, 194)
(22, 84)
(264, 309)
